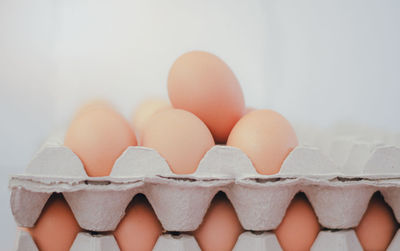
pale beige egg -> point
(266, 137)
(203, 84)
(180, 137)
(99, 135)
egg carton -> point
(166, 242)
(339, 191)
(327, 240)
(85, 241)
(259, 200)
(343, 240)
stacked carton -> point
(338, 175)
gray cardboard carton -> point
(338, 175)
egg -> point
(56, 227)
(145, 111)
(201, 83)
(180, 137)
(99, 135)
(249, 109)
(299, 228)
(93, 104)
(266, 137)
(220, 228)
(140, 228)
(378, 225)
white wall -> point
(316, 62)
(336, 60)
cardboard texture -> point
(24, 242)
(86, 241)
(338, 175)
(181, 242)
(345, 240)
(266, 241)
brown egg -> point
(220, 228)
(99, 135)
(56, 228)
(203, 84)
(140, 228)
(266, 137)
(378, 225)
(299, 228)
(180, 137)
(146, 110)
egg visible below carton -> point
(377, 226)
(98, 135)
(220, 228)
(56, 227)
(266, 137)
(140, 228)
(299, 227)
(180, 137)
(201, 83)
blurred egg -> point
(99, 135)
(56, 228)
(220, 228)
(180, 137)
(249, 109)
(93, 104)
(201, 83)
(299, 228)
(145, 111)
(140, 228)
(266, 137)
(378, 225)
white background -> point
(316, 62)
